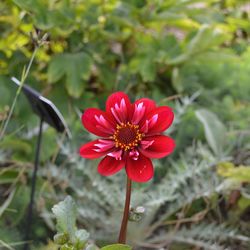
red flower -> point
(131, 135)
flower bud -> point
(136, 214)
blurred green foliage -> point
(165, 50)
(240, 173)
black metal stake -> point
(48, 112)
(33, 187)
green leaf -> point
(18, 205)
(82, 237)
(116, 247)
(10, 142)
(7, 202)
(57, 68)
(7, 236)
(48, 139)
(27, 4)
(145, 65)
(5, 93)
(61, 238)
(67, 247)
(205, 38)
(243, 203)
(65, 212)
(229, 170)
(215, 131)
(92, 247)
(148, 70)
(8, 175)
(218, 56)
(76, 67)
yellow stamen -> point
(127, 136)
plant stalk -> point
(123, 230)
(23, 78)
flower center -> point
(127, 136)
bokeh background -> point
(192, 55)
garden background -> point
(192, 55)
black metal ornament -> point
(48, 113)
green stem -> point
(123, 230)
(24, 76)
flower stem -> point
(123, 230)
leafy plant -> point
(191, 55)
(68, 236)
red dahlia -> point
(130, 134)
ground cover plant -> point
(192, 56)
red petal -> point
(164, 118)
(162, 146)
(141, 108)
(118, 106)
(88, 150)
(148, 103)
(140, 170)
(98, 122)
(109, 165)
